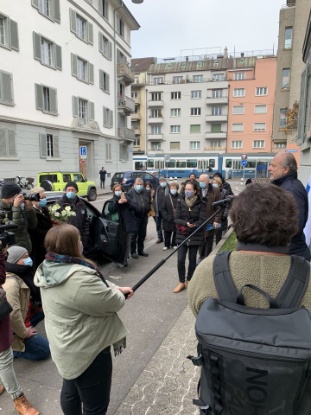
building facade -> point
(65, 83)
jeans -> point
(158, 221)
(207, 248)
(138, 238)
(181, 261)
(92, 388)
(36, 348)
(7, 374)
(169, 238)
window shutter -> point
(107, 83)
(53, 101)
(6, 82)
(110, 119)
(91, 111)
(58, 57)
(100, 42)
(302, 108)
(2, 143)
(12, 147)
(75, 106)
(101, 79)
(35, 3)
(42, 145)
(37, 46)
(39, 97)
(13, 34)
(109, 50)
(90, 33)
(56, 11)
(91, 73)
(73, 26)
(74, 65)
(56, 146)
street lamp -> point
(137, 1)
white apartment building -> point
(65, 83)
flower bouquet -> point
(59, 216)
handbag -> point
(5, 308)
(182, 229)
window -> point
(219, 77)
(260, 126)
(280, 145)
(175, 129)
(175, 112)
(285, 78)
(237, 127)
(7, 143)
(120, 26)
(215, 143)
(8, 33)
(175, 95)
(195, 111)
(283, 117)
(260, 109)
(134, 95)
(105, 46)
(217, 93)
(156, 146)
(108, 117)
(81, 27)
(136, 142)
(239, 76)
(156, 129)
(6, 88)
(236, 144)
(156, 96)
(108, 151)
(216, 110)
(196, 94)
(83, 109)
(239, 92)
(104, 81)
(82, 70)
(49, 146)
(175, 145)
(238, 109)
(194, 145)
(177, 79)
(197, 78)
(48, 8)
(216, 128)
(158, 81)
(261, 90)
(46, 99)
(156, 113)
(288, 37)
(195, 128)
(103, 8)
(47, 52)
(124, 151)
(259, 144)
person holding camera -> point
(18, 210)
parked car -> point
(56, 181)
(127, 179)
(107, 236)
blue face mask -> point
(118, 193)
(203, 185)
(173, 191)
(215, 185)
(43, 202)
(71, 195)
(189, 193)
(163, 184)
(28, 262)
(138, 187)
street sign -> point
(244, 157)
(243, 163)
(167, 157)
(83, 152)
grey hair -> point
(289, 161)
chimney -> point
(226, 53)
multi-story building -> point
(250, 118)
(65, 83)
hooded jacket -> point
(80, 315)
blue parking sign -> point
(243, 163)
(83, 151)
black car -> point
(127, 178)
(107, 232)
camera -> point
(35, 197)
(6, 238)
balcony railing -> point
(216, 100)
(155, 120)
(126, 104)
(135, 116)
(155, 103)
(155, 136)
(221, 117)
(220, 134)
(126, 133)
(126, 73)
(137, 131)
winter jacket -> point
(81, 316)
(167, 211)
(38, 233)
(123, 212)
(209, 196)
(6, 332)
(195, 215)
(158, 198)
(139, 202)
(24, 219)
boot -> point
(1, 389)
(24, 407)
(181, 286)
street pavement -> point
(153, 375)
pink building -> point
(251, 102)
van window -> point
(51, 177)
(77, 177)
(66, 178)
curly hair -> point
(264, 214)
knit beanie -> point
(15, 253)
(72, 184)
(9, 190)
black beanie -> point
(72, 184)
(9, 190)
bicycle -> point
(26, 184)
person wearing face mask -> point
(217, 183)
(19, 212)
(139, 203)
(77, 205)
(44, 223)
(190, 214)
(168, 209)
(150, 190)
(158, 199)
(23, 296)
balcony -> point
(126, 104)
(218, 100)
(214, 136)
(155, 120)
(137, 131)
(135, 116)
(155, 104)
(125, 73)
(215, 148)
(126, 133)
(157, 137)
(216, 118)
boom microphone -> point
(223, 202)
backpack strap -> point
(224, 284)
(296, 283)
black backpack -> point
(255, 361)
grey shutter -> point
(58, 57)
(109, 50)
(90, 33)
(11, 146)
(53, 101)
(73, 26)
(301, 133)
(75, 106)
(101, 79)
(110, 119)
(107, 83)
(100, 43)
(42, 145)
(91, 112)
(91, 73)
(35, 3)
(2, 143)
(37, 46)
(100, 7)
(56, 146)
(74, 65)
(13, 34)
(39, 97)
(56, 11)
(105, 113)
(6, 81)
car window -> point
(51, 177)
(110, 212)
(138, 174)
(77, 177)
(66, 178)
(149, 176)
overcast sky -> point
(171, 28)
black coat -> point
(195, 215)
(158, 198)
(128, 219)
(37, 235)
(139, 203)
(167, 210)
